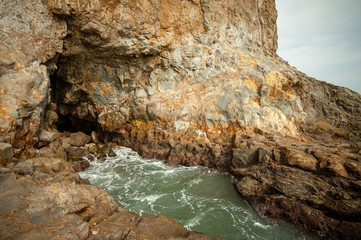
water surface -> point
(200, 199)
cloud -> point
(322, 39)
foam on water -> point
(200, 199)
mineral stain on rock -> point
(191, 82)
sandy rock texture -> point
(194, 82)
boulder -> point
(76, 153)
(48, 136)
(79, 139)
(242, 158)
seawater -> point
(200, 199)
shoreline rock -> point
(46, 199)
(191, 82)
(311, 183)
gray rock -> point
(26, 167)
(48, 136)
(6, 153)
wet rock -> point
(314, 202)
(105, 151)
(76, 152)
(165, 85)
(92, 147)
(81, 165)
(53, 203)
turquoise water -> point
(200, 199)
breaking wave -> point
(199, 198)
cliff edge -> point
(194, 82)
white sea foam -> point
(191, 195)
(193, 222)
(257, 224)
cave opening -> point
(68, 114)
(64, 124)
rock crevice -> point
(192, 82)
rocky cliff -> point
(189, 81)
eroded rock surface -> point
(43, 198)
(312, 184)
(194, 82)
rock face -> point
(315, 185)
(42, 198)
(6, 153)
(192, 82)
(30, 36)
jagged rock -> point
(53, 150)
(193, 82)
(311, 201)
(24, 79)
(6, 153)
(204, 62)
(242, 158)
(81, 165)
(51, 117)
(48, 202)
(92, 147)
(76, 152)
(312, 185)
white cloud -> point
(322, 39)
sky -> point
(322, 38)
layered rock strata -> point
(194, 82)
(43, 198)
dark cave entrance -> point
(65, 124)
(68, 119)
